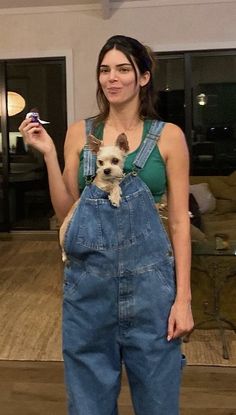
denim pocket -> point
(139, 216)
(86, 229)
(166, 275)
(72, 279)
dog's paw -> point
(115, 201)
(115, 195)
(63, 256)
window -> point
(197, 91)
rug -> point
(205, 348)
(30, 309)
(30, 301)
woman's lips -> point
(113, 90)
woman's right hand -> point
(36, 136)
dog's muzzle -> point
(107, 171)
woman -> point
(123, 302)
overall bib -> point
(118, 291)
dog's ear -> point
(122, 142)
(94, 143)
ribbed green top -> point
(153, 173)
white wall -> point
(82, 32)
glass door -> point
(41, 84)
(197, 91)
(171, 89)
(214, 108)
(4, 159)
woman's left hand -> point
(180, 319)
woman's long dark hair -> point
(142, 56)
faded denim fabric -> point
(119, 287)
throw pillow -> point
(204, 197)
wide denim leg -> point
(152, 363)
(91, 354)
(118, 291)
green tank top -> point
(153, 173)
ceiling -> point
(6, 4)
(105, 5)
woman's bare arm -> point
(62, 187)
(175, 151)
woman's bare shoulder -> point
(172, 140)
(78, 127)
(75, 137)
(173, 131)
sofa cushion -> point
(204, 197)
(225, 206)
(213, 223)
(196, 234)
(231, 179)
(221, 189)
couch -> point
(216, 197)
(216, 202)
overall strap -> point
(148, 144)
(89, 158)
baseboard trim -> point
(29, 235)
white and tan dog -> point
(110, 163)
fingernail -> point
(168, 337)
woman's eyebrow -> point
(118, 66)
(124, 64)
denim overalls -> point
(118, 290)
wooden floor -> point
(36, 388)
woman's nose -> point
(112, 75)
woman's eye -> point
(125, 69)
(100, 162)
(104, 70)
(115, 161)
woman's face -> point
(117, 78)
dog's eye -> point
(115, 161)
(100, 162)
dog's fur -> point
(110, 163)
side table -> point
(219, 273)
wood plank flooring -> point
(36, 388)
(30, 300)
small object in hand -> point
(34, 115)
(222, 241)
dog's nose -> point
(107, 171)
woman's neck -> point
(123, 120)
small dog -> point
(110, 163)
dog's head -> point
(110, 159)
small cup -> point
(221, 241)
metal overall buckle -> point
(88, 180)
(135, 171)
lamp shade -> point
(15, 103)
(202, 99)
